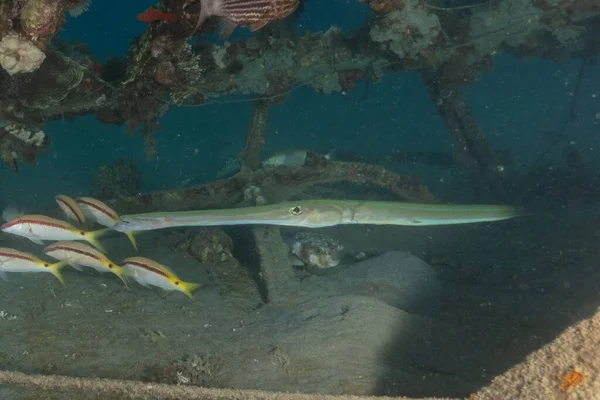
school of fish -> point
(69, 247)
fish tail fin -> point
(188, 288)
(226, 28)
(92, 237)
(122, 274)
(56, 267)
(131, 236)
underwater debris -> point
(18, 55)
(162, 71)
(249, 158)
(472, 150)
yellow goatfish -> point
(71, 209)
(38, 228)
(98, 212)
(147, 272)
(12, 260)
(82, 255)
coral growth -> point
(408, 31)
(209, 245)
(384, 6)
(42, 18)
(52, 83)
(120, 179)
(18, 55)
(20, 140)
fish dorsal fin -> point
(257, 25)
(226, 28)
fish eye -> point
(110, 265)
(176, 283)
(46, 265)
(296, 210)
(82, 233)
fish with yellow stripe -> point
(96, 211)
(38, 228)
(81, 255)
(71, 209)
(12, 260)
(147, 272)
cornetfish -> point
(321, 213)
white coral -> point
(33, 137)
(18, 55)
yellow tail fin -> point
(56, 267)
(92, 237)
(121, 273)
(188, 288)
(130, 235)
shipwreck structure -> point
(42, 79)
